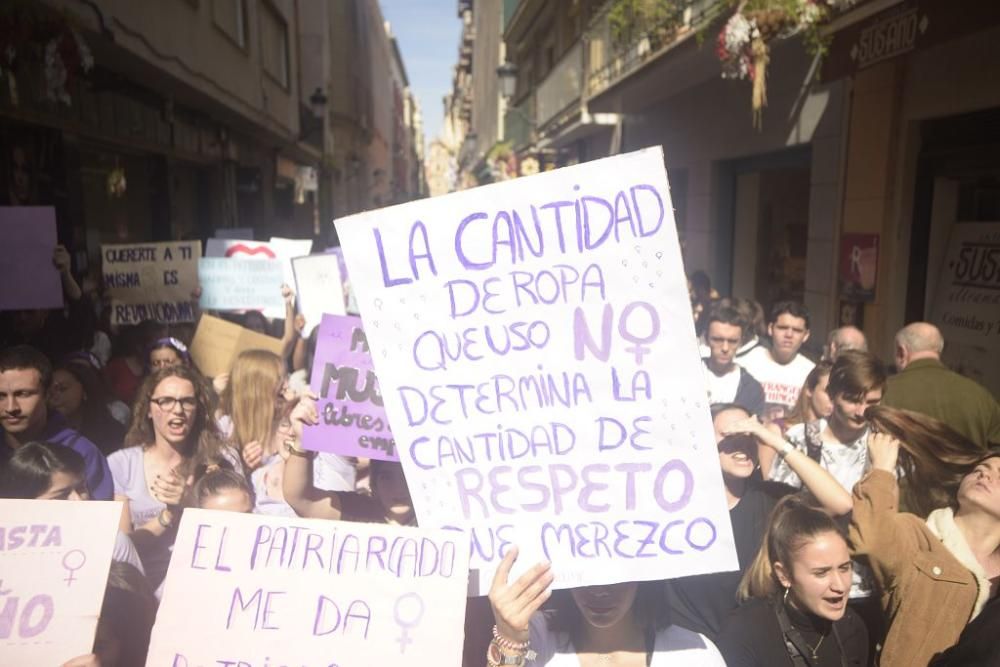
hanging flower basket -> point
(743, 44)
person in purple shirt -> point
(25, 376)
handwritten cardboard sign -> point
(241, 284)
(54, 561)
(28, 279)
(319, 288)
(217, 343)
(352, 419)
(151, 281)
(277, 248)
(967, 304)
(245, 588)
(534, 344)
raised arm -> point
(514, 603)
(297, 482)
(877, 528)
(291, 334)
(827, 490)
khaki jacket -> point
(932, 584)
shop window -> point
(274, 44)
(230, 16)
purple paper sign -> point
(28, 279)
(352, 421)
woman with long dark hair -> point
(797, 591)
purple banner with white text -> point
(352, 421)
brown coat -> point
(929, 592)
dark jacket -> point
(97, 472)
(928, 387)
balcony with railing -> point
(563, 87)
(621, 42)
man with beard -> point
(25, 376)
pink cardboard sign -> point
(28, 279)
(352, 421)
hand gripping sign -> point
(249, 590)
(536, 354)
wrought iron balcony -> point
(619, 43)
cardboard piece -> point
(54, 561)
(352, 419)
(537, 358)
(242, 588)
(217, 343)
(28, 279)
(151, 281)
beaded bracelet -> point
(509, 644)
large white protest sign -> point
(246, 589)
(151, 281)
(241, 284)
(54, 561)
(319, 288)
(967, 303)
(535, 349)
(277, 248)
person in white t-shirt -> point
(782, 370)
(616, 624)
(727, 381)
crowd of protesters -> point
(864, 497)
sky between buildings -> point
(428, 32)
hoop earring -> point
(784, 599)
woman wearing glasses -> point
(171, 435)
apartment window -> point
(274, 44)
(230, 16)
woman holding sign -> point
(172, 434)
(389, 501)
(620, 624)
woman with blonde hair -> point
(796, 612)
(254, 411)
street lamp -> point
(507, 74)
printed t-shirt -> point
(781, 382)
(722, 389)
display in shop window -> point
(858, 267)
